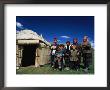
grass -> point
(46, 69)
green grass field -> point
(46, 69)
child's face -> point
(58, 49)
(73, 46)
(61, 47)
(53, 47)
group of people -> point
(70, 56)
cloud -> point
(19, 25)
(65, 36)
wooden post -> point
(19, 50)
(17, 57)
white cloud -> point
(19, 25)
(65, 36)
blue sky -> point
(62, 27)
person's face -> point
(61, 47)
(58, 49)
(85, 39)
(53, 47)
(55, 40)
(73, 46)
(67, 43)
(75, 41)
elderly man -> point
(86, 53)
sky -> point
(64, 28)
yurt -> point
(31, 49)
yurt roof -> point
(29, 34)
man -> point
(86, 53)
(53, 50)
(78, 49)
(74, 58)
(67, 54)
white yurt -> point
(31, 49)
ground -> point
(46, 69)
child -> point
(59, 58)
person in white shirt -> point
(67, 55)
(53, 50)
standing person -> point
(78, 48)
(86, 53)
(58, 61)
(74, 58)
(53, 50)
(67, 55)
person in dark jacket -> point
(74, 58)
(76, 47)
(58, 61)
(67, 55)
(86, 53)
